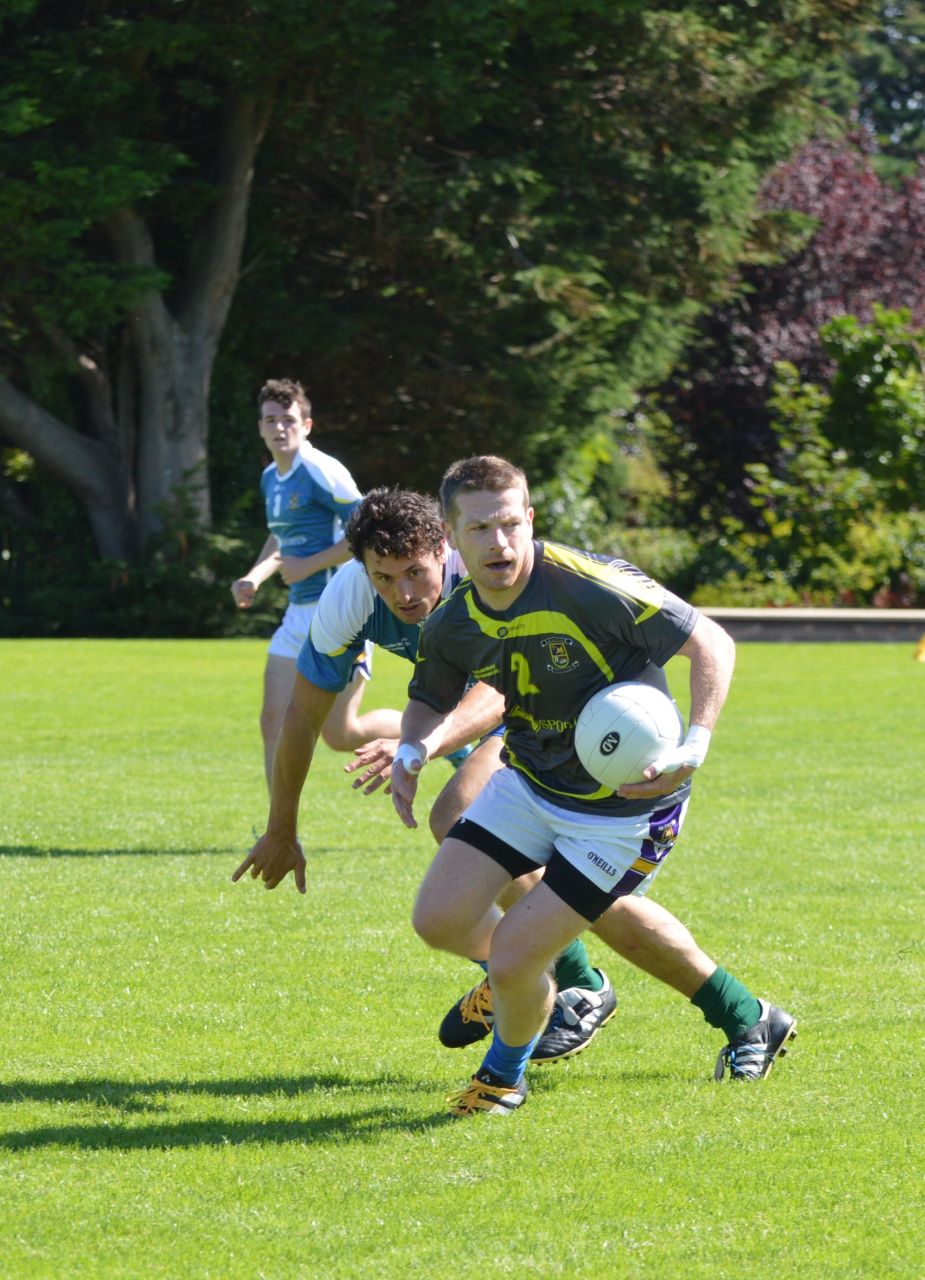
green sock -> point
(726, 1004)
(573, 969)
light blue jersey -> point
(348, 614)
(307, 509)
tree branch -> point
(148, 318)
(216, 258)
(76, 459)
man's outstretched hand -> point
(375, 758)
(271, 860)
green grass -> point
(201, 1079)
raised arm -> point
(278, 851)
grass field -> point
(201, 1079)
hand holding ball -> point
(625, 728)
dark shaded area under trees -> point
(465, 227)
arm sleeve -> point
(437, 682)
(338, 629)
(337, 488)
(328, 671)
(645, 615)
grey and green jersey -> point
(583, 622)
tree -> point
(840, 519)
(863, 246)
(879, 84)
(504, 214)
(122, 249)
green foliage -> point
(877, 410)
(610, 495)
(515, 228)
(831, 531)
(881, 82)
(474, 227)
(58, 587)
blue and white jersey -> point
(307, 510)
(348, 614)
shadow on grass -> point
(43, 851)
(343, 1124)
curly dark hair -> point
(395, 522)
(286, 392)
(479, 473)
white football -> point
(624, 728)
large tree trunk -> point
(147, 453)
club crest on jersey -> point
(558, 651)
(294, 502)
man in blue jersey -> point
(548, 627)
(402, 570)
(309, 497)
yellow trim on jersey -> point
(640, 590)
(540, 623)
(329, 653)
(601, 793)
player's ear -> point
(448, 534)
(443, 553)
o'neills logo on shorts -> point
(602, 863)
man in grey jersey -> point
(548, 627)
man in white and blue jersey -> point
(402, 571)
(308, 496)
(548, 627)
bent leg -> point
(465, 784)
(346, 729)
(455, 798)
(455, 909)
(650, 937)
(524, 948)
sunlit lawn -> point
(203, 1079)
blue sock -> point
(507, 1062)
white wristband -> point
(412, 758)
(690, 754)
(696, 744)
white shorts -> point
(590, 859)
(292, 632)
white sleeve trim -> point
(344, 609)
(330, 474)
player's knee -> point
(340, 737)
(432, 925)
(424, 924)
(440, 822)
(505, 966)
(270, 724)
